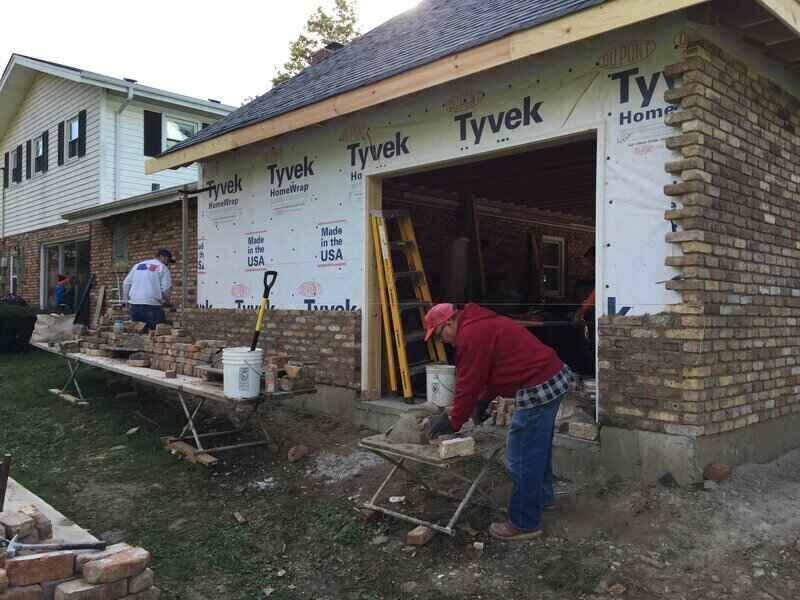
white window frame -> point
(164, 140)
(68, 140)
(37, 142)
(561, 243)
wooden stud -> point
(593, 21)
(786, 11)
(371, 324)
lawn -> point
(301, 539)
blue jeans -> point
(148, 313)
(529, 453)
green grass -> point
(81, 461)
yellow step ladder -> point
(393, 308)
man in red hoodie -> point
(496, 356)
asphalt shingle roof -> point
(432, 30)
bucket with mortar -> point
(441, 380)
(242, 370)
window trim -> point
(560, 242)
(183, 120)
(68, 156)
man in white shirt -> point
(147, 287)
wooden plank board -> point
(98, 309)
(787, 11)
(190, 452)
(68, 397)
(566, 30)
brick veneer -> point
(330, 338)
(148, 230)
(731, 345)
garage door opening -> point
(515, 234)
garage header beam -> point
(554, 34)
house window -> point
(119, 244)
(13, 272)
(38, 155)
(553, 266)
(177, 130)
(73, 137)
(16, 172)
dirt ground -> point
(303, 535)
(606, 540)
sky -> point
(223, 50)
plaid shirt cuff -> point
(546, 392)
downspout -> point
(117, 114)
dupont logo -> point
(309, 289)
(466, 100)
(240, 290)
(628, 54)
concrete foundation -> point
(630, 454)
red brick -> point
(127, 563)
(36, 568)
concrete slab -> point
(64, 529)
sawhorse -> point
(73, 364)
(399, 454)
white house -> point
(69, 140)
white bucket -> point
(441, 380)
(242, 371)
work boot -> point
(506, 531)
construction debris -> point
(457, 447)
(419, 536)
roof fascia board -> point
(96, 215)
(118, 85)
(142, 91)
(787, 12)
(553, 34)
(130, 204)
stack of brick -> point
(202, 353)
(120, 571)
(174, 349)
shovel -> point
(13, 546)
(269, 281)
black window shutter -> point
(82, 133)
(46, 150)
(18, 162)
(5, 171)
(61, 143)
(28, 159)
(152, 133)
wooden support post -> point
(5, 469)
(184, 247)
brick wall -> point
(148, 230)
(29, 249)
(733, 341)
(330, 338)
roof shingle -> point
(432, 30)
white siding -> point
(132, 179)
(39, 201)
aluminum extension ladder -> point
(394, 308)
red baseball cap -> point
(439, 314)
